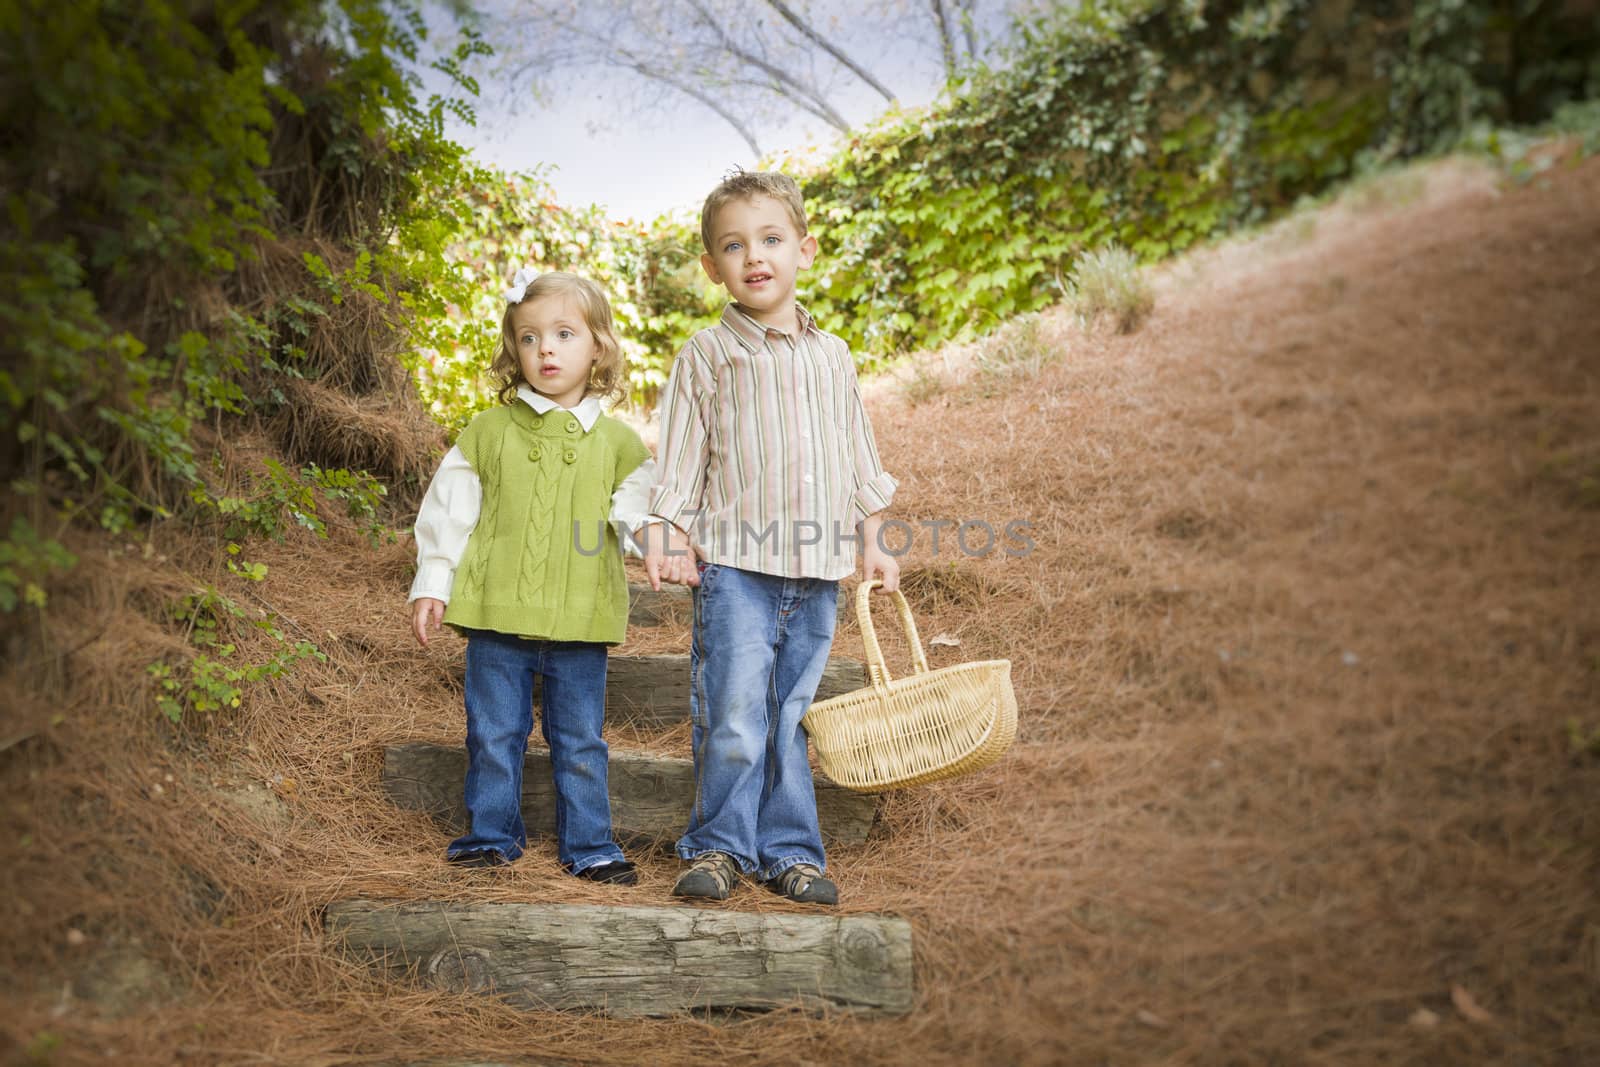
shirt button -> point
(809, 479)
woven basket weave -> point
(929, 725)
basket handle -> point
(876, 668)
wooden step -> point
(635, 961)
(650, 795)
(674, 604)
(654, 690)
(658, 607)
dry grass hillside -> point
(1307, 650)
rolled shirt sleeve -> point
(874, 487)
(448, 515)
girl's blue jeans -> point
(500, 674)
(759, 648)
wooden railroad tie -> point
(635, 961)
(651, 795)
(674, 604)
(654, 690)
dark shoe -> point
(613, 872)
(711, 877)
(486, 857)
(804, 884)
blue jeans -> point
(760, 644)
(500, 673)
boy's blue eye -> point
(566, 335)
(772, 239)
(732, 246)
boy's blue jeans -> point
(500, 673)
(760, 645)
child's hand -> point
(879, 564)
(876, 562)
(668, 556)
(426, 614)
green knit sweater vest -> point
(543, 562)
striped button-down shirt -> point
(766, 457)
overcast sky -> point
(638, 161)
(635, 166)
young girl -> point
(508, 537)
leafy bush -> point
(1154, 125)
(650, 273)
(1017, 351)
(1108, 280)
(922, 386)
(206, 203)
(26, 560)
(215, 677)
(160, 157)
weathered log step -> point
(654, 690)
(635, 961)
(655, 607)
(651, 796)
(675, 604)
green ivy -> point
(650, 273)
(1155, 125)
(215, 677)
(26, 559)
(154, 149)
(282, 499)
(360, 493)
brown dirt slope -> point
(1311, 602)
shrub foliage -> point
(1154, 125)
(220, 212)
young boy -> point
(767, 471)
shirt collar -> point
(753, 334)
(587, 409)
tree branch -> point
(695, 92)
(947, 46)
(793, 18)
(617, 55)
(822, 110)
(969, 18)
(784, 83)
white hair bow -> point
(519, 285)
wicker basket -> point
(929, 725)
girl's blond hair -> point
(605, 378)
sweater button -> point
(572, 425)
(536, 453)
(570, 456)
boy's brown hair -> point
(747, 184)
(605, 380)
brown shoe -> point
(805, 884)
(711, 877)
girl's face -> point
(555, 347)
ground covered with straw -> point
(1306, 639)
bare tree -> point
(951, 16)
(793, 18)
(754, 65)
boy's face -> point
(757, 254)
